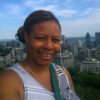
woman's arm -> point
(8, 86)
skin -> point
(43, 44)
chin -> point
(44, 63)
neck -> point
(37, 68)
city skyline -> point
(77, 17)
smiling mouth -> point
(46, 56)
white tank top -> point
(33, 90)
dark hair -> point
(20, 34)
(34, 18)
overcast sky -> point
(77, 17)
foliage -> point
(87, 85)
(3, 51)
(2, 69)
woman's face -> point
(43, 43)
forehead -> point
(47, 27)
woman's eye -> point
(40, 38)
(56, 40)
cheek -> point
(31, 48)
(34, 45)
(58, 48)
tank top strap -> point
(63, 79)
(64, 84)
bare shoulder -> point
(69, 77)
(10, 85)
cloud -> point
(55, 8)
(95, 1)
(34, 5)
(31, 3)
(49, 7)
(87, 11)
(81, 26)
(19, 11)
(90, 12)
(84, 19)
(65, 13)
(14, 9)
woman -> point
(31, 78)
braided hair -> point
(35, 18)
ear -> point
(26, 37)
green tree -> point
(3, 51)
(87, 85)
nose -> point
(48, 44)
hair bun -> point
(19, 35)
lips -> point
(46, 56)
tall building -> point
(63, 38)
(75, 46)
(88, 40)
(97, 38)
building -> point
(16, 53)
(97, 38)
(90, 66)
(88, 40)
(75, 47)
(64, 59)
(63, 38)
(96, 53)
(83, 53)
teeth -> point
(49, 55)
(46, 55)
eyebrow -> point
(39, 34)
